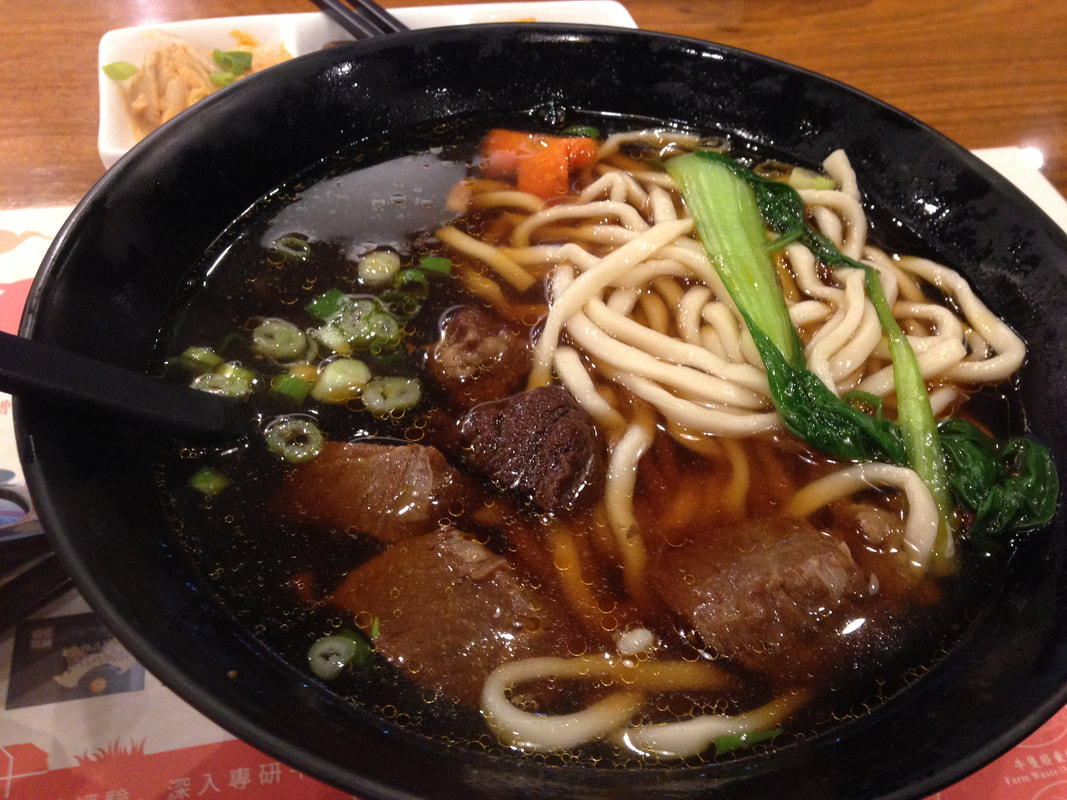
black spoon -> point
(53, 375)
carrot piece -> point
(541, 164)
(582, 151)
(500, 150)
(546, 171)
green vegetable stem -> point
(1008, 486)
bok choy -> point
(1007, 486)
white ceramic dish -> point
(304, 33)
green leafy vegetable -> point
(120, 70)
(914, 413)
(728, 220)
(732, 229)
(814, 414)
(1008, 486)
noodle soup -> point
(525, 482)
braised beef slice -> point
(450, 611)
(540, 445)
(772, 595)
(478, 358)
(387, 491)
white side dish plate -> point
(305, 33)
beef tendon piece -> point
(450, 611)
(540, 445)
(389, 492)
(774, 597)
(478, 358)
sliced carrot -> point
(500, 150)
(582, 151)
(541, 163)
(546, 171)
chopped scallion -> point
(295, 439)
(436, 265)
(361, 323)
(400, 303)
(326, 305)
(230, 380)
(340, 380)
(385, 331)
(388, 395)
(412, 281)
(294, 249)
(201, 359)
(291, 386)
(377, 268)
(332, 654)
(120, 70)
(587, 131)
(209, 481)
(280, 339)
(235, 62)
(725, 744)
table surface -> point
(986, 73)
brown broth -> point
(271, 573)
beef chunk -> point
(540, 444)
(772, 595)
(387, 491)
(450, 611)
(478, 358)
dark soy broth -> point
(273, 573)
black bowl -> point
(106, 284)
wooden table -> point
(986, 73)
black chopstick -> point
(28, 591)
(385, 21)
(18, 550)
(363, 18)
